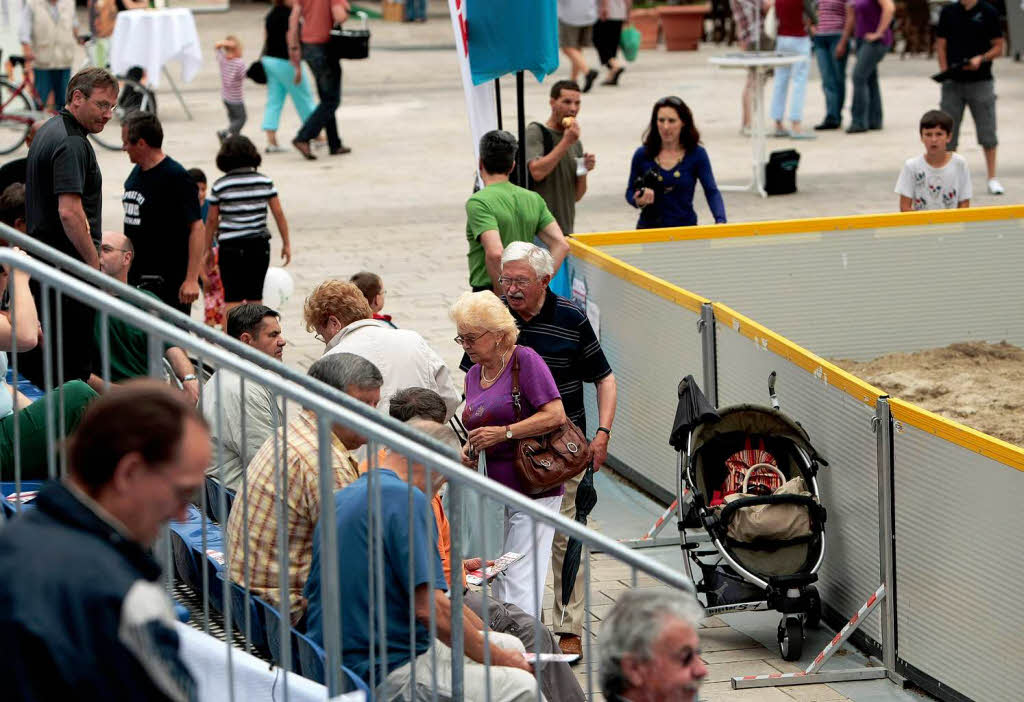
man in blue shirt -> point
(511, 676)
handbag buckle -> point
(573, 448)
(544, 462)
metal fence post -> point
(455, 588)
(886, 533)
(709, 352)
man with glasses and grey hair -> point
(502, 212)
(561, 334)
(297, 444)
(63, 199)
(649, 650)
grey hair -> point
(634, 623)
(345, 370)
(537, 258)
(439, 432)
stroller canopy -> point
(754, 420)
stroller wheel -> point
(791, 638)
(813, 616)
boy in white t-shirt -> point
(939, 179)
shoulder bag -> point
(545, 462)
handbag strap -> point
(517, 396)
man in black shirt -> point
(969, 40)
(62, 207)
(161, 216)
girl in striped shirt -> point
(237, 222)
(232, 75)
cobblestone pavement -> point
(395, 204)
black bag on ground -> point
(780, 172)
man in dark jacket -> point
(83, 614)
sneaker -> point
(995, 187)
(826, 125)
(745, 131)
(275, 149)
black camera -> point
(651, 180)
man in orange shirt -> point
(312, 43)
(557, 679)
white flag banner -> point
(481, 104)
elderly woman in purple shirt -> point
(870, 21)
(487, 331)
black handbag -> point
(350, 43)
(256, 73)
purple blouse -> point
(866, 14)
(493, 407)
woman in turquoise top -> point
(31, 417)
(665, 171)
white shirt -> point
(932, 188)
(262, 417)
(402, 357)
(577, 13)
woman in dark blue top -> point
(665, 170)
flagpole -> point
(497, 99)
(521, 115)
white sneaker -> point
(995, 187)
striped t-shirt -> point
(232, 75)
(831, 16)
(242, 197)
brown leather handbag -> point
(545, 462)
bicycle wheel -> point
(133, 97)
(16, 117)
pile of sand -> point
(973, 382)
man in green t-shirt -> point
(553, 150)
(501, 213)
(129, 346)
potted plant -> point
(683, 25)
(644, 16)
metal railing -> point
(330, 407)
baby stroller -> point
(747, 476)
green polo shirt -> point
(129, 348)
(517, 214)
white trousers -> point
(519, 585)
(507, 684)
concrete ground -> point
(395, 206)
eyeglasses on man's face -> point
(517, 282)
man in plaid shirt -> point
(354, 376)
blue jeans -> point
(866, 111)
(327, 73)
(833, 76)
(53, 80)
(797, 73)
(415, 9)
(281, 84)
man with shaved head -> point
(129, 352)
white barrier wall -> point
(958, 558)
(876, 289)
(840, 428)
(651, 343)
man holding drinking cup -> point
(558, 165)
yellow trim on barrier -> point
(637, 277)
(803, 226)
(828, 373)
(956, 433)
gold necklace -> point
(483, 375)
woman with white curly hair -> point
(487, 331)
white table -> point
(760, 61)
(154, 38)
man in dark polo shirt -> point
(161, 216)
(62, 207)
(561, 334)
